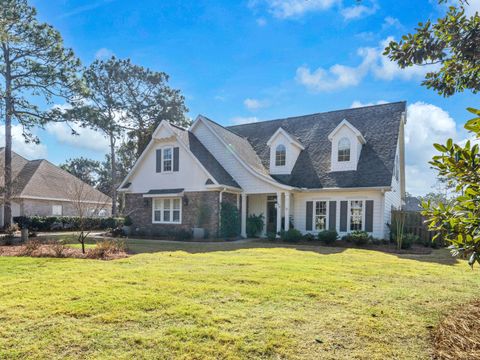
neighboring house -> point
(413, 203)
(341, 170)
(40, 188)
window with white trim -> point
(167, 211)
(343, 149)
(167, 155)
(320, 215)
(356, 215)
(280, 155)
(56, 210)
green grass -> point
(229, 301)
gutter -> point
(371, 188)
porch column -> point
(287, 211)
(244, 216)
(279, 212)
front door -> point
(271, 215)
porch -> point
(275, 207)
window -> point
(57, 210)
(343, 150)
(280, 155)
(167, 159)
(167, 211)
(356, 215)
(320, 216)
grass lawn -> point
(229, 301)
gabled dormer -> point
(284, 151)
(347, 144)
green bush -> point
(328, 236)
(230, 221)
(182, 234)
(309, 237)
(408, 240)
(128, 221)
(271, 236)
(291, 235)
(254, 225)
(358, 237)
(50, 223)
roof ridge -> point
(308, 115)
(225, 128)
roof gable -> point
(290, 138)
(352, 128)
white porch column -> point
(244, 216)
(287, 210)
(279, 212)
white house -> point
(342, 170)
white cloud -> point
(341, 76)
(103, 53)
(358, 11)
(471, 8)
(261, 22)
(293, 8)
(391, 22)
(255, 104)
(244, 120)
(358, 103)
(30, 151)
(426, 124)
(87, 138)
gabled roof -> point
(40, 179)
(290, 138)
(352, 128)
(379, 125)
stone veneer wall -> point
(140, 211)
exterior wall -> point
(292, 153)
(393, 200)
(355, 149)
(257, 204)
(301, 198)
(33, 207)
(139, 209)
(247, 181)
(189, 176)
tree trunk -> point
(7, 208)
(113, 175)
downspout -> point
(220, 200)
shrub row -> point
(52, 223)
(164, 233)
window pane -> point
(166, 215)
(176, 216)
(167, 159)
(344, 150)
(157, 204)
(176, 204)
(356, 215)
(157, 215)
(166, 204)
(320, 215)
(280, 155)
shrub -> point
(182, 234)
(30, 246)
(49, 223)
(291, 235)
(105, 248)
(230, 221)
(128, 221)
(358, 237)
(328, 236)
(309, 237)
(58, 247)
(271, 236)
(409, 240)
(255, 225)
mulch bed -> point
(457, 337)
(48, 250)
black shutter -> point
(369, 216)
(343, 215)
(175, 158)
(309, 216)
(332, 215)
(159, 160)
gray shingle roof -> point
(206, 158)
(164, 191)
(379, 124)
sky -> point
(253, 60)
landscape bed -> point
(230, 301)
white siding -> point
(291, 155)
(247, 181)
(393, 200)
(301, 198)
(190, 176)
(355, 149)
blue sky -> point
(238, 61)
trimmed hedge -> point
(52, 223)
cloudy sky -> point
(254, 60)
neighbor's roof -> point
(42, 179)
(205, 157)
(413, 203)
(379, 125)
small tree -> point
(83, 168)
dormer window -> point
(280, 155)
(344, 150)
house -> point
(413, 204)
(40, 188)
(342, 170)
